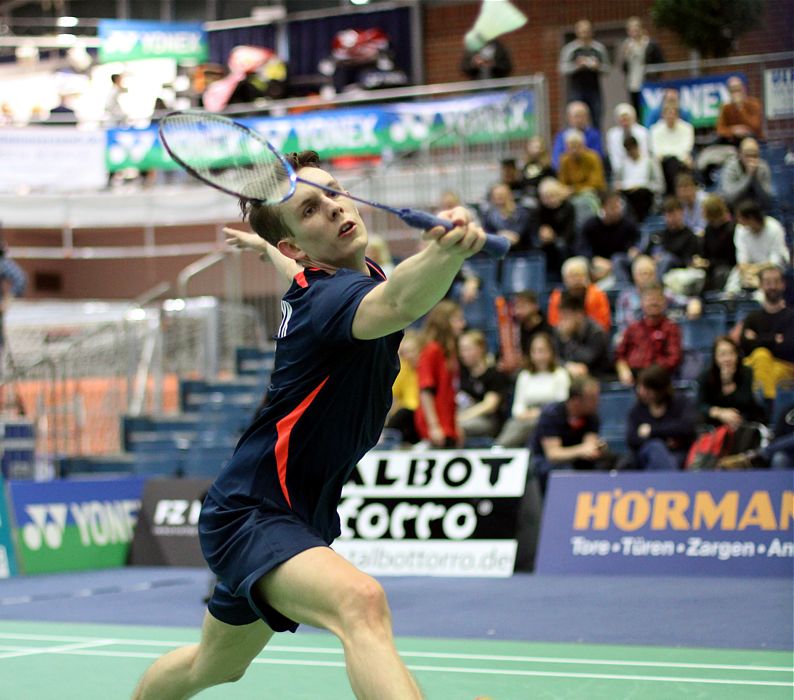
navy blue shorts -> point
(242, 544)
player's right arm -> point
(421, 281)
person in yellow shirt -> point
(405, 390)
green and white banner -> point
(129, 40)
(363, 131)
(70, 525)
(8, 564)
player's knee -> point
(366, 604)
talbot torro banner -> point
(435, 513)
(721, 523)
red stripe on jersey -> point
(376, 270)
(284, 430)
(300, 278)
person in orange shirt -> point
(741, 117)
(576, 279)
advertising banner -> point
(167, 532)
(362, 131)
(779, 93)
(699, 523)
(70, 525)
(132, 40)
(52, 158)
(435, 513)
(8, 564)
(700, 99)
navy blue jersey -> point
(326, 404)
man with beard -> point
(767, 337)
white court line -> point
(63, 649)
(450, 669)
(425, 654)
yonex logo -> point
(131, 146)
(48, 522)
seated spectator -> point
(510, 174)
(653, 340)
(405, 390)
(378, 250)
(542, 381)
(626, 127)
(639, 179)
(760, 241)
(676, 244)
(576, 281)
(628, 305)
(566, 436)
(661, 424)
(556, 224)
(726, 388)
(741, 117)
(581, 344)
(612, 238)
(529, 318)
(577, 116)
(482, 388)
(717, 250)
(747, 176)
(580, 167)
(437, 368)
(767, 335)
(536, 168)
(503, 217)
(672, 142)
(691, 197)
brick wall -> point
(536, 47)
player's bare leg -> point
(320, 588)
(222, 656)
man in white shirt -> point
(672, 141)
(625, 125)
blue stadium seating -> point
(524, 272)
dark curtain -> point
(222, 42)
(310, 40)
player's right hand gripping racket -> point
(239, 161)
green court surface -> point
(103, 662)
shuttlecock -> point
(496, 17)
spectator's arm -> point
(734, 180)
(489, 405)
(9, 270)
(601, 313)
(567, 62)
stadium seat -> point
(524, 272)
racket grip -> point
(495, 246)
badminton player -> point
(270, 516)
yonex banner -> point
(701, 523)
(436, 513)
(69, 525)
(131, 40)
(52, 158)
(361, 131)
(700, 98)
(8, 564)
(167, 532)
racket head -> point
(228, 156)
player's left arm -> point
(420, 282)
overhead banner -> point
(52, 159)
(8, 564)
(132, 40)
(779, 93)
(700, 99)
(70, 525)
(363, 131)
(167, 532)
(669, 524)
(435, 513)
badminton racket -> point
(237, 160)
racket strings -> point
(230, 157)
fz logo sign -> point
(47, 525)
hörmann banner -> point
(435, 513)
(700, 523)
(167, 532)
(69, 525)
